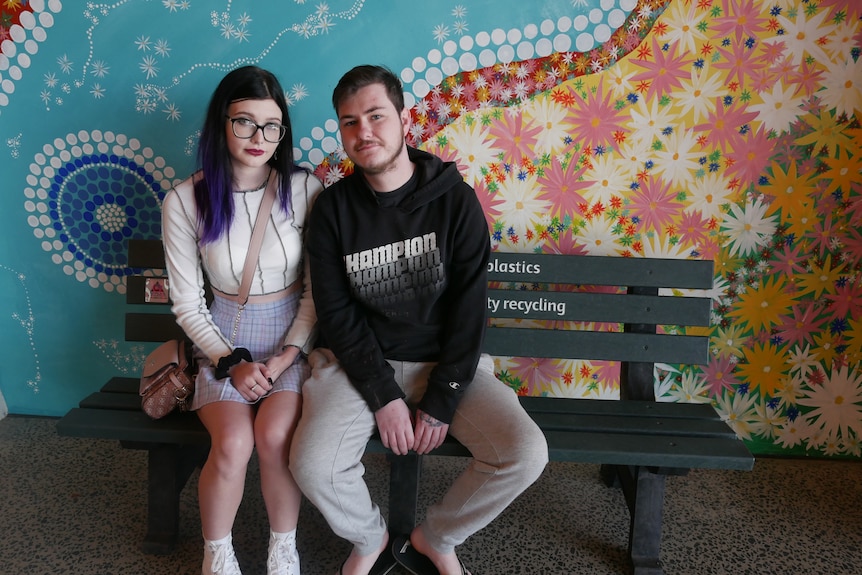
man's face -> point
(372, 131)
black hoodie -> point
(404, 282)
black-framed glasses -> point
(244, 128)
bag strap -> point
(260, 223)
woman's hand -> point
(278, 363)
(251, 379)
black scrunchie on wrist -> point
(228, 361)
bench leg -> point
(608, 475)
(644, 492)
(404, 472)
(168, 470)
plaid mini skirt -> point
(261, 330)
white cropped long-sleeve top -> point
(279, 264)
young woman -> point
(251, 359)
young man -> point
(398, 254)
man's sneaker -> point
(219, 559)
(282, 559)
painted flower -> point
(550, 116)
(473, 144)
(649, 120)
(780, 108)
(598, 237)
(683, 26)
(749, 158)
(748, 228)
(563, 186)
(607, 178)
(521, 208)
(837, 404)
(737, 410)
(842, 87)
(762, 367)
(593, 120)
(741, 18)
(663, 69)
(516, 135)
(654, 203)
(699, 95)
(801, 36)
(708, 194)
(803, 320)
(677, 160)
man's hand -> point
(395, 427)
(430, 433)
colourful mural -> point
(717, 129)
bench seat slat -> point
(592, 345)
(601, 307)
(600, 423)
(629, 449)
(700, 411)
(651, 451)
(132, 426)
(628, 424)
(103, 400)
(122, 385)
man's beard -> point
(387, 164)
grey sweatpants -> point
(509, 453)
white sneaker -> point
(282, 559)
(219, 559)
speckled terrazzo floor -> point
(77, 506)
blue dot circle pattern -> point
(88, 193)
(99, 201)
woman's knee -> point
(275, 425)
(272, 444)
(231, 451)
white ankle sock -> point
(226, 540)
(285, 535)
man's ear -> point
(406, 121)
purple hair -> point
(213, 193)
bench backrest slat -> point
(152, 327)
(595, 270)
(592, 345)
(598, 307)
(147, 254)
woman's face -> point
(259, 119)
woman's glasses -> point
(244, 128)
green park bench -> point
(636, 441)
